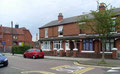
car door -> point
(31, 53)
(26, 53)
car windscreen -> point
(38, 50)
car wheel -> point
(24, 56)
(6, 64)
(33, 57)
(43, 57)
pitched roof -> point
(8, 30)
(72, 19)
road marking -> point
(58, 67)
(116, 68)
(17, 68)
(72, 69)
(83, 71)
(112, 71)
(34, 72)
(76, 63)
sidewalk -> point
(86, 61)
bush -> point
(20, 49)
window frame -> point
(108, 41)
(87, 44)
(46, 32)
(46, 45)
(57, 44)
(60, 30)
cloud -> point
(33, 14)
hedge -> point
(20, 49)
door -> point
(66, 45)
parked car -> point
(34, 53)
(3, 60)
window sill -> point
(46, 49)
(46, 37)
(60, 36)
(106, 52)
(87, 51)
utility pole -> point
(12, 36)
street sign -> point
(3, 42)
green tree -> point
(104, 23)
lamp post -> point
(12, 36)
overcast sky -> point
(33, 14)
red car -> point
(34, 53)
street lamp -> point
(12, 36)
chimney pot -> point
(16, 25)
(60, 17)
(102, 7)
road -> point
(20, 65)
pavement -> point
(86, 61)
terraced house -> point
(63, 37)
(20, 36)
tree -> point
(104, 23)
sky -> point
(33, 14)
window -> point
(46, 32)
(60, 31)
(46, 45)
(88, 45)
(109, 45)
(21, 44)
(38, 50)
(58, 44)
(14, 37)
(113, 28)
(114, 22)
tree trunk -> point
(103, 50)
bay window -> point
(88, 45)
(57, 44)
(109, 45)
(46, 45)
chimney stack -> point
(60, 17)
(101, 7)
(16, 25)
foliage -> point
(101, 23)
(20, 49)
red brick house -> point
(20, 36)
(63, 36)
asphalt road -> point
(20, 65)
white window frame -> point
(113, 28)
(55, 43)
(66, 44)
(46, 32)
(45, 46)
(60, 29)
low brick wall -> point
(82, 55)
(48, 53)
(94, 55)
(71, 53)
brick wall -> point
(53, 31)
(8, 39)
(27, 36)
(42, 33)
(71, 29)
(68, 30)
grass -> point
(101, 63)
